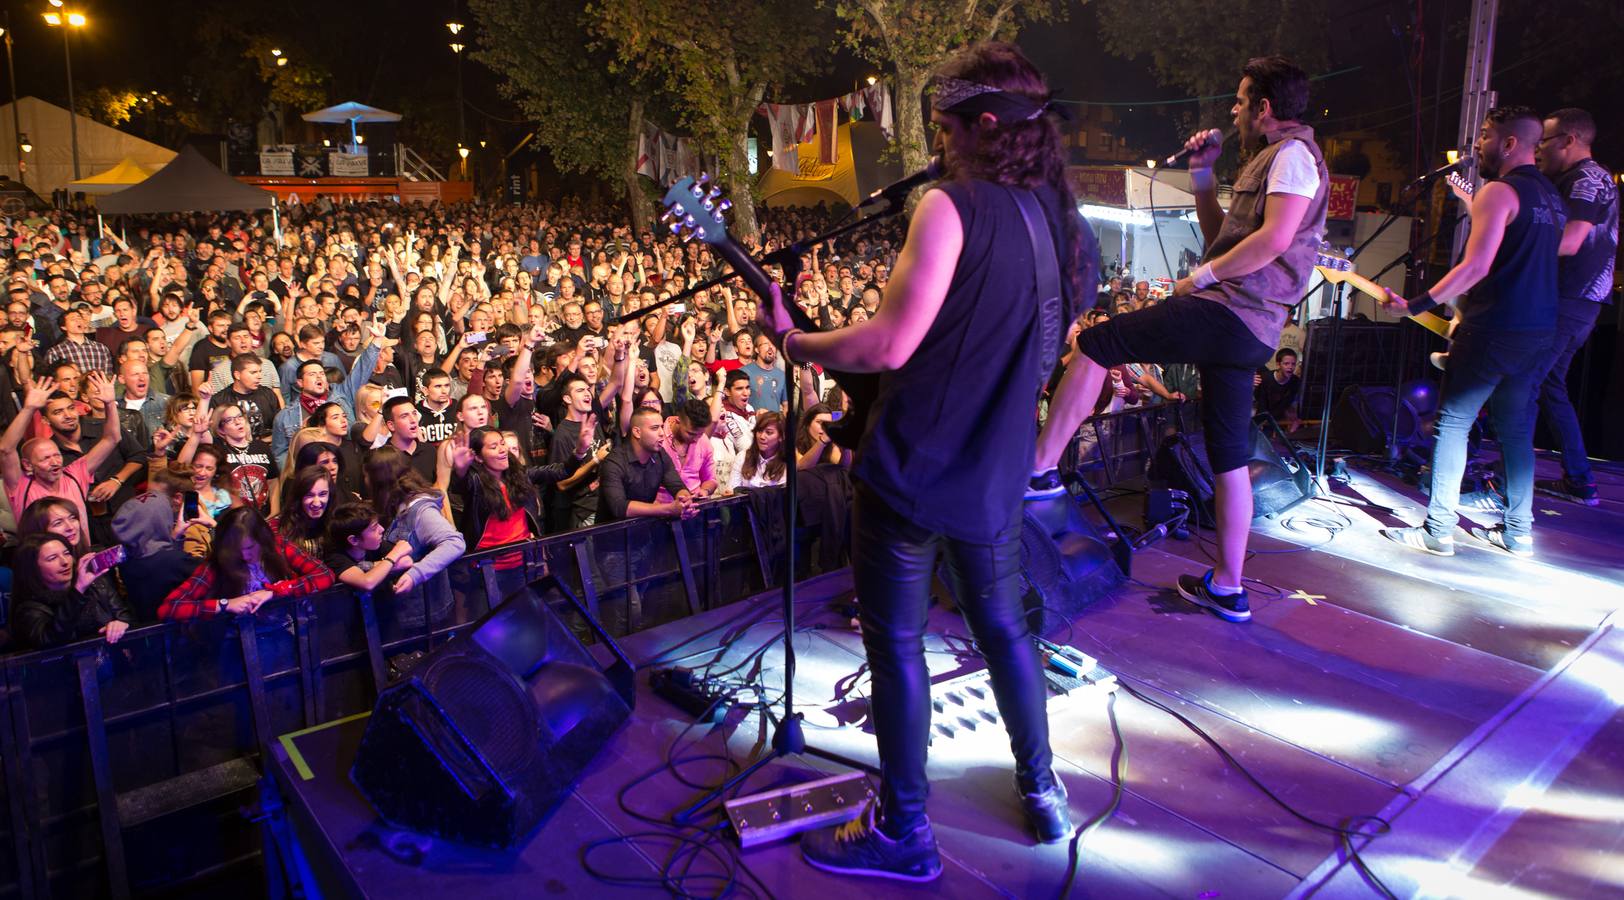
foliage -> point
(912, 37)
(1201, 46)
(718, 58)
(551, 68)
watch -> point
(223, 602)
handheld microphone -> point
(1213, 138)
(933, 171)
(1441, 171)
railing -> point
(1119, 446)
(129, 767)
(416, 168)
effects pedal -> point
(778, 814)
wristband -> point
(783, 342)
(1421, 303)
(1204, 277)
(1202, 180)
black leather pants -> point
(893, 561)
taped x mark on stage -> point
(1300, 594)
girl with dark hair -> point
(764, 460)
(248, 566)
(330, 459)
(966, 337)
(62, 597)
(813, 446)
(335, 424)
(502, 503)
(306, 502)
(54, 515)
(411, 507)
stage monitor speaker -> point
(1363, 419)
(1280, 478)
(1065, 564)
(485, 736)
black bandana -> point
(969, 98)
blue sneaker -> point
(859, 847)
(1229, 607)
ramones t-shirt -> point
(252, 469)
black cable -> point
(1345, 831)
(1119, 776)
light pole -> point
(16, 118)
(457, 47)
(68, 21)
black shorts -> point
(1208, 334)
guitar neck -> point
(757, 279)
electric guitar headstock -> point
(694, 209)
(1328, 257)
(1462, 186)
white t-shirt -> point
(1294, 171)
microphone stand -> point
(1406, 201)
(788, 737)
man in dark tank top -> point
(943, 460)
(1505, 288)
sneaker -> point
(1045, 484)
(1229, 607)
(1569, 490)
(1483, 501)
(1419, 538)
(1520, 547)
(1440, 360)
(859, 847)
(1047, 812)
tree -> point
(1201, 46)
(912, 37)
(718, 57)
(586, 108)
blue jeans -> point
(893, 561)
(1574, 320)
(1499, 369)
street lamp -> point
(16, 119)
(72, 20)
(25, 144)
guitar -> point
(693, 209)
(1338, 269)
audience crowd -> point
(200, 419)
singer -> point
(960, 338)
(1227, 315)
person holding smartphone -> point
(62, 596)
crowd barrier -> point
(135, 768)
(1119, 446)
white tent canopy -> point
(50, 165)
(352, 113)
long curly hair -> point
(519, 489)
(1027, 154)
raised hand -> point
(101, 387)
(39, 392)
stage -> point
(1473, 703)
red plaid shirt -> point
(198, 598)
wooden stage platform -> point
(1472, 703)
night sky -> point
(394, 55)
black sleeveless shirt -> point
(1519, 293)
(950, 440)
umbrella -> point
(351, 112)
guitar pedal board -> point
(778, 814)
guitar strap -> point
(1047, 270)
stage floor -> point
(1473, 703)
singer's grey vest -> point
(1263, 299)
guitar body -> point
(697, 212)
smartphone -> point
(680, 309)
(107, 559)
(835, 416)
(498, 351)
(477, 337)
(190, 505)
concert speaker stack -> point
(1066, 564)
(1363, 419)
(484, 737)
(1280, 477)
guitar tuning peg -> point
(704, 177)
(717, 217)
(690, 221)
(707, 204)
(697, 192)
(714, 193)
(724, 206)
